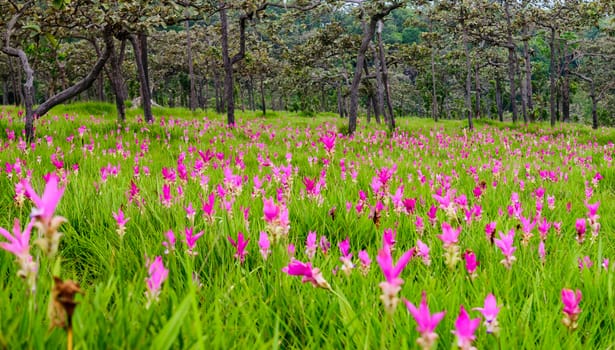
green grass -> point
(256, 305)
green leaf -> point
(34, 27)
(166, 338)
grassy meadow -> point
(285, 180)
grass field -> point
(285, 179)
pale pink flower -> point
(465, 329)
(365, 262)
(170, 243)
(307, 272)
(19, 245)
(392, 285)
(422, 251)
(571, 310)
(310, 245)
(264, 245)
(426, 322)
(157, 275)
(505, 243)
(121, 222)
(490, 312)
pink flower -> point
(465, 329)
(208, 206)
(365, 262)
(571, 310)
(585, 263)
(490, 230)
(18, 242)
(264, 245)
(166, 197)
(505, 243)
(190, 239)
(581, 227)
(426, 322)
(308, 273)
(346, 257)
(121, 222)
(541, 251)
(605, 263)
(392, 285)
(170, 243)
(328, 141)
(449, 235)
(240, 246)
(422, 251)
(310, 245)
(490, 312)
(388, 238)
(471, 263)
(157, 275)
(45, 205)
(592, 210)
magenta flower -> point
(157, 275)
(310, 245)
(240, 245)
(571, 310)
(392, 285)
(45, 205)
(465, 329)
(541, 251)
(365, 262)
(208, 207)
(449, 235)
(264, 245)
(170, 243)
(190, 239)
(585, 263)
(426, 322)
(592, 210)
(324, 244)
(388, 238)
(328, 141)
(490, 312)
(307, 272)
(19, 245)
(270, 210)
(581, 227)
(505, 243)
(190, 212)
(490, 230)
(471, 263)
(346, 257)
(121, 222)
(605, 263)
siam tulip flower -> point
(465, 329)
(431, 214)
(190, 213)
(471, 263)
(165, 196)
(409, 205)
(541, 251)
(20, 194)
(208, 207)
(449, 238)
(328, 142)
(605, 263)
(426, 322)
(346, 257)
(157, 275)
(543, 228)
(388, 238)
(240, 246)
(557, 226)
(581, 227)
(291, 250)
(310, 245)
(422, 251)
(365, 262)
(527, 225)
(551, 202)
(592, 210)
(264, 245)
(585, 263)
(121, 222)
(571, 310)
(308, 273)
(392, 285)
(43, 213)
(324, 245)
(190, 239)
(490, 230)
(420, 225)
(490, 312)
(19, 245)
(505, 243)
(276, 218)
(170, 243)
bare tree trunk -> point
(552, 77)
(468, 92)
(498, 98)
(5, 92)
(139, 44)
(385, 76)
(528, 72)
(594, 105)
(379, 101)
(229, 95)
(511, 62)
(217, 94)
(477, 83)
(340, 101)
(262, 90)
(565, 86)
(193, 99)
(117, 80)
(368, 34)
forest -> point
(518, 61)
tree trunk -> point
(528, 72)
(139, 44)
(477, 83)
(511, 62)
(594, 105)
(117, 80)
(552, 72)
(468, 92)
(262, 91)
(565, 86)
(385, 76)
(340, 101)
(368, 35)
(523, 92)
(5, 92)
(498, 98)
(193, 99)
(217, 94)
(379, 100)
(229, 95)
